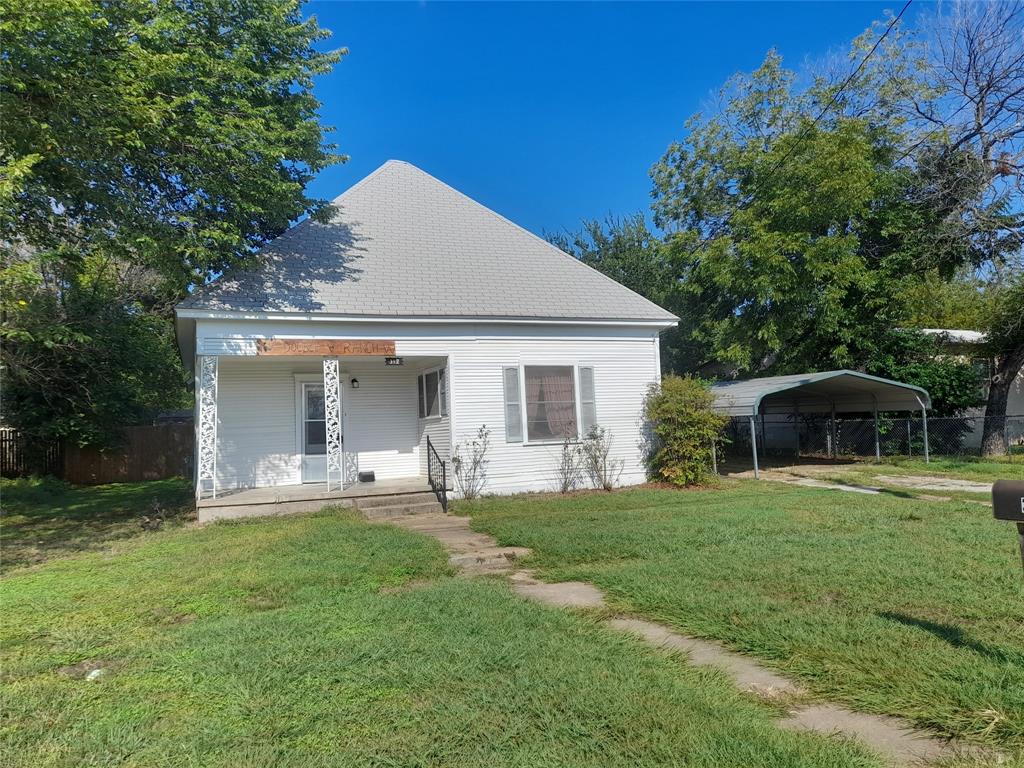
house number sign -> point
(325, 347)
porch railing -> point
(437, 475)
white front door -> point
(313, 433)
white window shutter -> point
(513, 409)
(588, 403)
(442, 385)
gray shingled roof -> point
(404, 244)
(847, 391)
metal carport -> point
(829, 392)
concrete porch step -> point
(399, 508)
(391, 499)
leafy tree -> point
(148, 146)
(809, 224)
(782, 232)
(958, 90)
(625, 250)
(1005, 343)
(628, 252)
(912, 357)
(84, 360)
(958, 303)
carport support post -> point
(832, 432)
(878, 447)
(796, 427)
(924, 423)
(753, 444)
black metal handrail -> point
(437, 475)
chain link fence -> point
(817, 436)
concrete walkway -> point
(893, 738)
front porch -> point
(310, 497)
(289, 432)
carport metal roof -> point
(830, 391)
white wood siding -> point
(381, 419)
(256, 422)
(257, 429)
(624, 359)
(439, 432)
(623, 370)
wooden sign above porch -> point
(325, 347)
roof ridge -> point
(371, 175)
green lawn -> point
(43, 519)
(321, 640)
(893, 605)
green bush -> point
(683, 427)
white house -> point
(967, 346)
(415, 315)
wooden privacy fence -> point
(21, 456)
(145, 453)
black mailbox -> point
(1008, 504)
(1008, 500)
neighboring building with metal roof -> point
(828, 392)
(378, 342)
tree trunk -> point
(1007, 368)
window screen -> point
(550, 402)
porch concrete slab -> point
(746, 674)
(316, 492)
(210, 513)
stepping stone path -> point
(477, 554)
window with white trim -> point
(550, 402)
(432, 391)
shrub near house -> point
(684, 427)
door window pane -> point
(316, 438)
(550, 402)
(315, 402)
(315, 422)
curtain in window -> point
(550, 402)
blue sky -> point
(548, 112)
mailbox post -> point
(1008, 504)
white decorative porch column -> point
(206, 450)
(332, 408)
